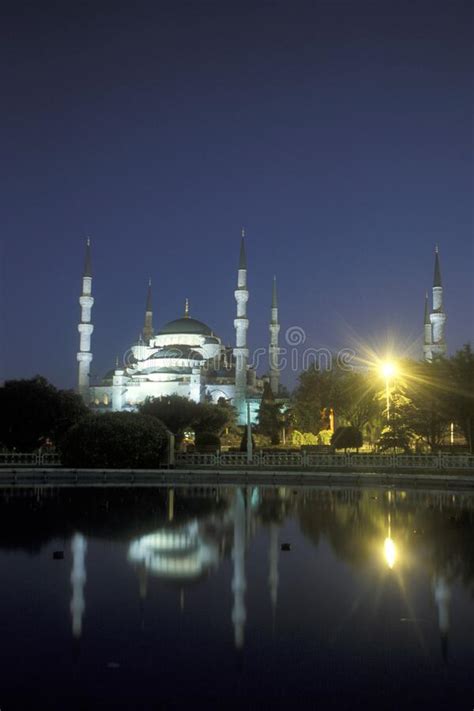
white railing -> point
(30, 459)
(301, 460)
(304, 460)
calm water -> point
(185, 598)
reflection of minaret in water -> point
(273, 571)
(238, 581)
(78, 580)
(442, 596)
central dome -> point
(186, 325)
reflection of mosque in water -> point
(188, 552)
(198, 528)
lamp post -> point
(388, 370)
(249, 436)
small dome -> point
(186, 325)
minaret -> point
(437, 317)
(78, 580)
(273, 350)
(148, 327)
(427, 331)
(241, 324)
(238, 581)
(85, 328)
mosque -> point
(184, 357)
(187, 358)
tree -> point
(353, 396)
(114, 440)
(270, 420)
(316, 392)
(180, 414)
(356, 404)
(347, 438)
(213, 418)
(34, 411)
(424, 414)
(458, 394)
(177, 413)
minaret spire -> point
(437, 316)
(437, 270)
(148, 327)
(242, 256)
(241, 324)
(186, 308)
(85, 327)
(273, 349)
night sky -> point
(339, 134)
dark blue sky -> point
(338, 133)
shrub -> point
(114, 440)
(299, 439)
(207, 441)
(347, 438)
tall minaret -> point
(78, 580)
(427, 331)
(241, 324)
(273, 350)
(148, 327)
(437, 316)
(238, 581)
(85, 328)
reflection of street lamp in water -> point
(389, 550)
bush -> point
(115, 440)
(300, 439)
(207, 442)
(347, 438)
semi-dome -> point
(185, 352)
(186, 325)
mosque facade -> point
(184, 357)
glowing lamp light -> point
(388, 369)
(390, 552)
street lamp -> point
(388, 370)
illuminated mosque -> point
(185, 357)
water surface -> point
(232, 597)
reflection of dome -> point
(186, 325)
(179, 554)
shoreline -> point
(43, 477)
